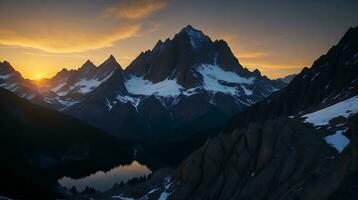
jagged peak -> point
(111, 57)
(197, 37)
(64, 70)
(88, 64)
(190, 28)
(158, 45)
(191, 31)
(350, 37)
(6, 63)
(6, 66)
(111, 62)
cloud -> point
(135, 9)
(65, 38)
(253, 55)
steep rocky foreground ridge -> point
(301, 143)
(182, 86)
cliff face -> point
(279, 159)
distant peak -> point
(6, 66)
(350, 35)
(111, 57)
(111, 63)
(88, 62)
(64, 70)
(189, 27)
(158, 45)
(6, 63)
(88, 65)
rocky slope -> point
(332, 78)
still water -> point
(104, 180)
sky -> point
(40, 37)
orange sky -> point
(39, 38)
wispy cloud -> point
(252, 55)
(135, 9)
(65, 38)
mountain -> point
(39, 145)
(300, 143)
(332, 78)
(70, 87)
(287, 79)
(12, 80)
(182, 86)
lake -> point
(103, 181)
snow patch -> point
(164, 196)
(65, 103)
(55, 89)
(213, 75)
(12, 87)
(122, 198)
(165, 88)
(246, 91)
(337, 140)
(344, 108)
(109, 104)
(5, 76)
(84, 85)
(87, 85)
(31, 96)
(4, 198)
(314, 76)
(134, 101)
(191, 91)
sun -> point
(38, 76)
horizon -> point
(277, 38)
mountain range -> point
(182, 86)
(299, 143)
(287, 139)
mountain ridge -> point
(183, 79)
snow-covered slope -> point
(345, 108)
(70, 87)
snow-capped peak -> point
(197, 37)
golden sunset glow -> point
(277, 41)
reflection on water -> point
(104, 180)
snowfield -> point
(165, 88)
(344, 108)
(213, 79)
(337, 140)
(87, 85)
(213, 75)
